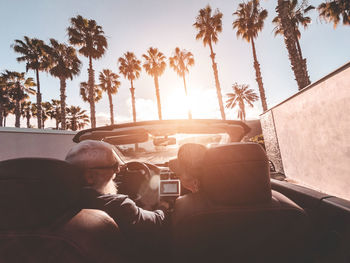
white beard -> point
(110, 188)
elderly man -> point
(101, 163)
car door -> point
(329, 221)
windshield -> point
(161, 149)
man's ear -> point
(89, 177)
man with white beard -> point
(100, 164)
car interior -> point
(240, 215)
(41, 220)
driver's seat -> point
(235, 217)
(40, 218)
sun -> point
(202, 103)
(175, 105)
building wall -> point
(313, 134)
(271, 141)
(21, 142)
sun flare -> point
(199, 101)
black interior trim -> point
(338, 203)
(303, 196)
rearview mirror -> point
(127, 139)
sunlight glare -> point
(200, 101)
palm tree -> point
(89, 36)
(3, 98)
(8, 108)
(297, 17)
(241, 94)
(130, 68)
(65, 65)
(55, 112)
(18, 86)
(334, 11)
(34, 53)
(155, 65)
(287, 26)
(85, 89)
(208, 27)
(249, 22)
(109, 83)
(26, 111)
(34, 110)
(180, 62)
(46, 110)
(77, 118)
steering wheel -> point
(134, 181)
(139, 167)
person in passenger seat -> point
(188, 165)
(100, 164)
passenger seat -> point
(235, 217)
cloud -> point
(102, 119)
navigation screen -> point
(171, 187)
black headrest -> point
(36, 191)
(236, 174)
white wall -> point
(21, 142)
(313, 131)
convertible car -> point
(240, 214)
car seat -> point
(235, 217)
(41, 220)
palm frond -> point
(154, 62)
(242, 94)
(208, 25)
(129, 66)
(249, 20)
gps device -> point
(169, 188)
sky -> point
(131, 25)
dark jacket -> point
(143, 230)
(123, 210)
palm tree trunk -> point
(242, 107)
(298, 47)
(288, 29)
(91, 94)
(38, 99)
(1, 115)
(17, 114)
(303, 61)
(259, 78)
(188, 105)
(217, 83)
(74, 124)
(111, 106)
(156, 84)
(63, 103)
(28, 119)
(132, 90)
